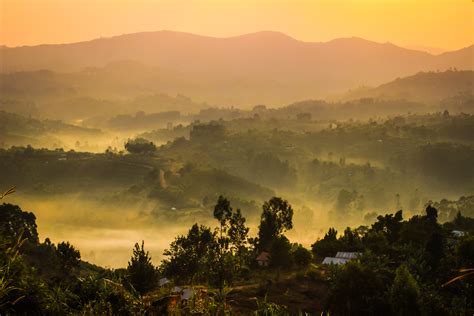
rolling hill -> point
(263, 67)
(428, 87)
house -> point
(263, 259)
(188, 293)
(347, 255)
(333, 260)
(341, 257)
(458, 233)
(163, 281)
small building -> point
(458, 233)
(347, 255)
(163, 281)
(333, 260)
(263, 259)
(341, 258)
(187, 294)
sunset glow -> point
(431, 25)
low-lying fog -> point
(105, 234)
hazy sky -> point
(447, 24)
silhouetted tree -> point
(141, 272)
(15, 223)
(69, 257)
(301, 256)
(192, 257)
(238, 234)
(223, 213)
(276, 218)
(280, 254)
(232, 239)
(328, 246)
(390, 225)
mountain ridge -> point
(261, 67)
(256, 33)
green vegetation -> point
(203, 187)
(403, 268)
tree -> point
(232, 240)
(431, 213)
(404, 293)
(350, 240)
(141, 272)
(15, 223)
(69, 257)
(276, 218)
(192, 258)
(280, 254)
(419, 229)
(328, 246)
(223, 213)
(390, 225)
(357, 290)
(238, 234)
(140, 146)
(301, 256)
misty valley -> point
(259, 187)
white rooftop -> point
(347, 255)
(332, 260)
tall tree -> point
(223, 213)
(238, 234)
(276, 218)
(142, 273)
(232, 240)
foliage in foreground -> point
(404, 268)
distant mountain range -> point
(263, 67)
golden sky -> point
(441, 24)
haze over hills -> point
(425, 87)
(98, 94)
(263, 67)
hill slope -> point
(258, 67)
(423, 87)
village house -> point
(263, 259)
(341, 257)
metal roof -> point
(347, 255)
(332, 260)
